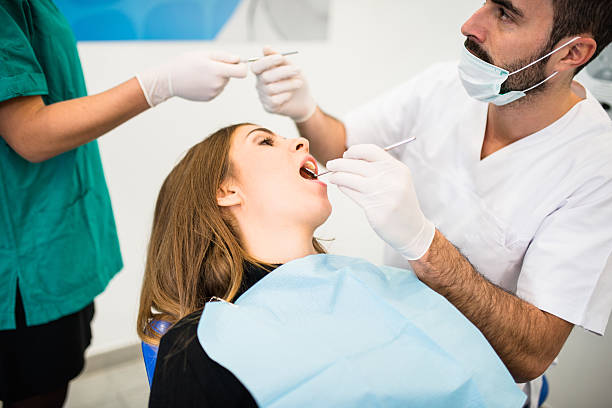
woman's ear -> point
(577, 54)
(228, 195)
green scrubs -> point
(58, 239)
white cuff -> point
(308, 115)
(421, 242)
(155, 87)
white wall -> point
(583, 376)
(373, 45)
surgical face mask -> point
(483, 81)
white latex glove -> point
(196, 76)
(282, 88)
(383, 187)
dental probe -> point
(386, 149)
(253, 59)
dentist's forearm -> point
(326, 135)
(39, 132)
(526, 338)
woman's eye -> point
(267, 141)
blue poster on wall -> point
(108, 20)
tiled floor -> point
(120, 386)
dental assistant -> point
(503, 204)
(58, 242)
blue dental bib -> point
(334, 331)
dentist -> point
(503, 204)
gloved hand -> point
(383, 187)
(196, 76)
(282, 88)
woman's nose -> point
(301, 144)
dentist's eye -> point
(267, 141)
(503, 15)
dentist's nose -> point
(475, 26)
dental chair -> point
(537, 392)
(543, 391)
(149, 351)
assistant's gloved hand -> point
(196, 76)
(282, 88)
(383, 187)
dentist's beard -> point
(519, 81)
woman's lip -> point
(316, 180)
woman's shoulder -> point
(186, 376)
(180, 336)
(186, 325)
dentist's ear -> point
(576, 54)
(228, 195)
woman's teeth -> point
(310, 166)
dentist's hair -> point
(195, 252)
(575, 17)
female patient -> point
(232, 209)
(235, 221)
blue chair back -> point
(543, 391)
(149, 351)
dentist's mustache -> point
(477, 50)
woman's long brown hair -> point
(195, 251)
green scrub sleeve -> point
(20, 71)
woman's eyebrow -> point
(259, 130)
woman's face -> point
(266, 171)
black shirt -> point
(185, 376)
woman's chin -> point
(321, 215)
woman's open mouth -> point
(309, 170)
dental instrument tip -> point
(307, 173)
(386, 149)
(398, 144)
(253, 59)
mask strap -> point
(540, 83)
(546, 56)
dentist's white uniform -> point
(535, 217)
